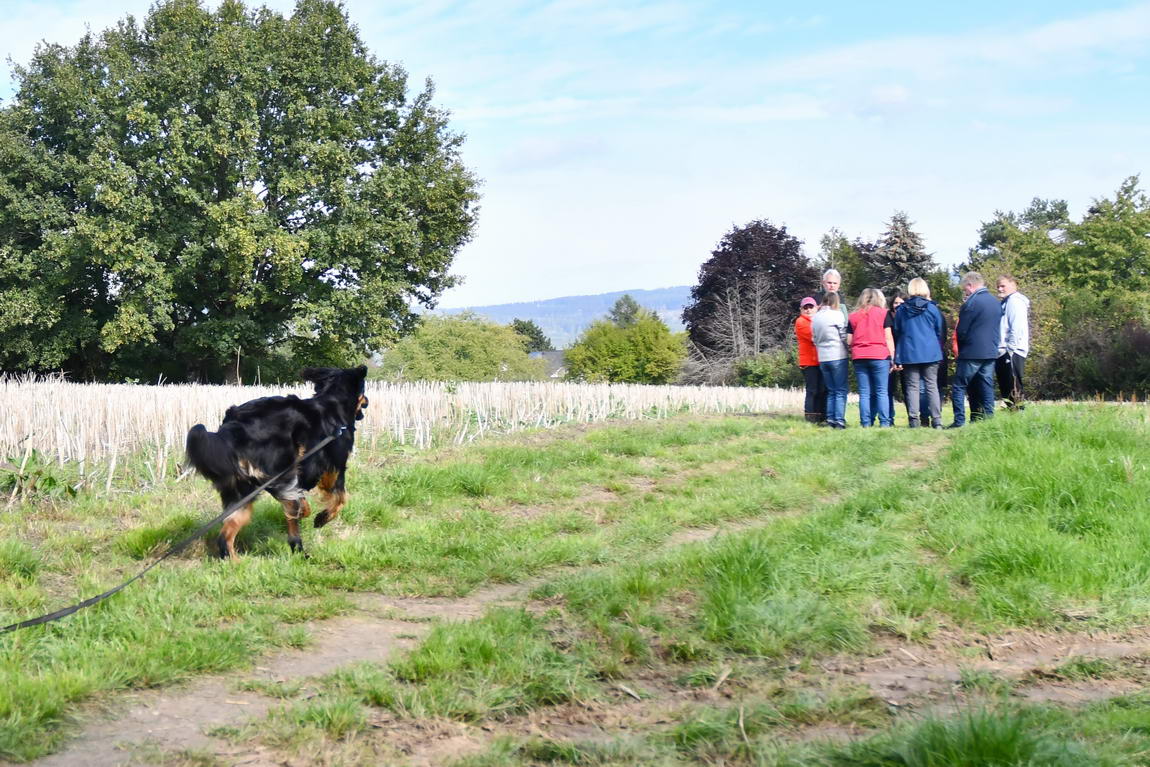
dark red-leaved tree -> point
(748, 291)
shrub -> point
(645, 351)
(774, 368)
(461, 348)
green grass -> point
(976, 738)
(427, 526)
(499, 665)
(1029, 520)
(984, 682)
(1002, 736)
(1080, 667)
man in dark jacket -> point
(978, 333)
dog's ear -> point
(316, 375)
(320, 377)
(360, 372)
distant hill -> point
(563, 319)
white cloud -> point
(926, 57)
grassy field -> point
(839, 556)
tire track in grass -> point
(177, 719)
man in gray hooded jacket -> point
(1015, 341)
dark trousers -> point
(1009, 369)
(894, 384)
(815, 404)
(977, 376)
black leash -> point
(175, 549)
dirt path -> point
(177, 718)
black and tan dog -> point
(265, 436)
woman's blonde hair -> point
(872, 297)
(831, 300)
(918, 287)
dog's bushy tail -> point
(211, 455)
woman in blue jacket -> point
(919, 335)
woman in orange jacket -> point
(815, 406)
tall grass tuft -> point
(978, 738)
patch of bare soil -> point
(176, 719)
(923, 675)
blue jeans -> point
(835, 377)
(977, 378)
(872, 376)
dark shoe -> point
(824, 424)
(956, 426)
(912, 423)
(839, 425)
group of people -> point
(906, 339)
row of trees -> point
(1088, 280)
(630, 345)
(742, 310)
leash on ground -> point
(175, 548)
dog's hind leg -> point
(232, 526)
(331, 485)
(293, 512)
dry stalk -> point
(94, 423)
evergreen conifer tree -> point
(625, 312)
(535, 339)
(900, 255)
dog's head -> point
(345, 384)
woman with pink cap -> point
(815, 406)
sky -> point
(618, 141)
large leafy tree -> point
(461, 347)
(208, 190)
(899, 257)
(747, 289)
(1108, 251)
(1036, 231)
